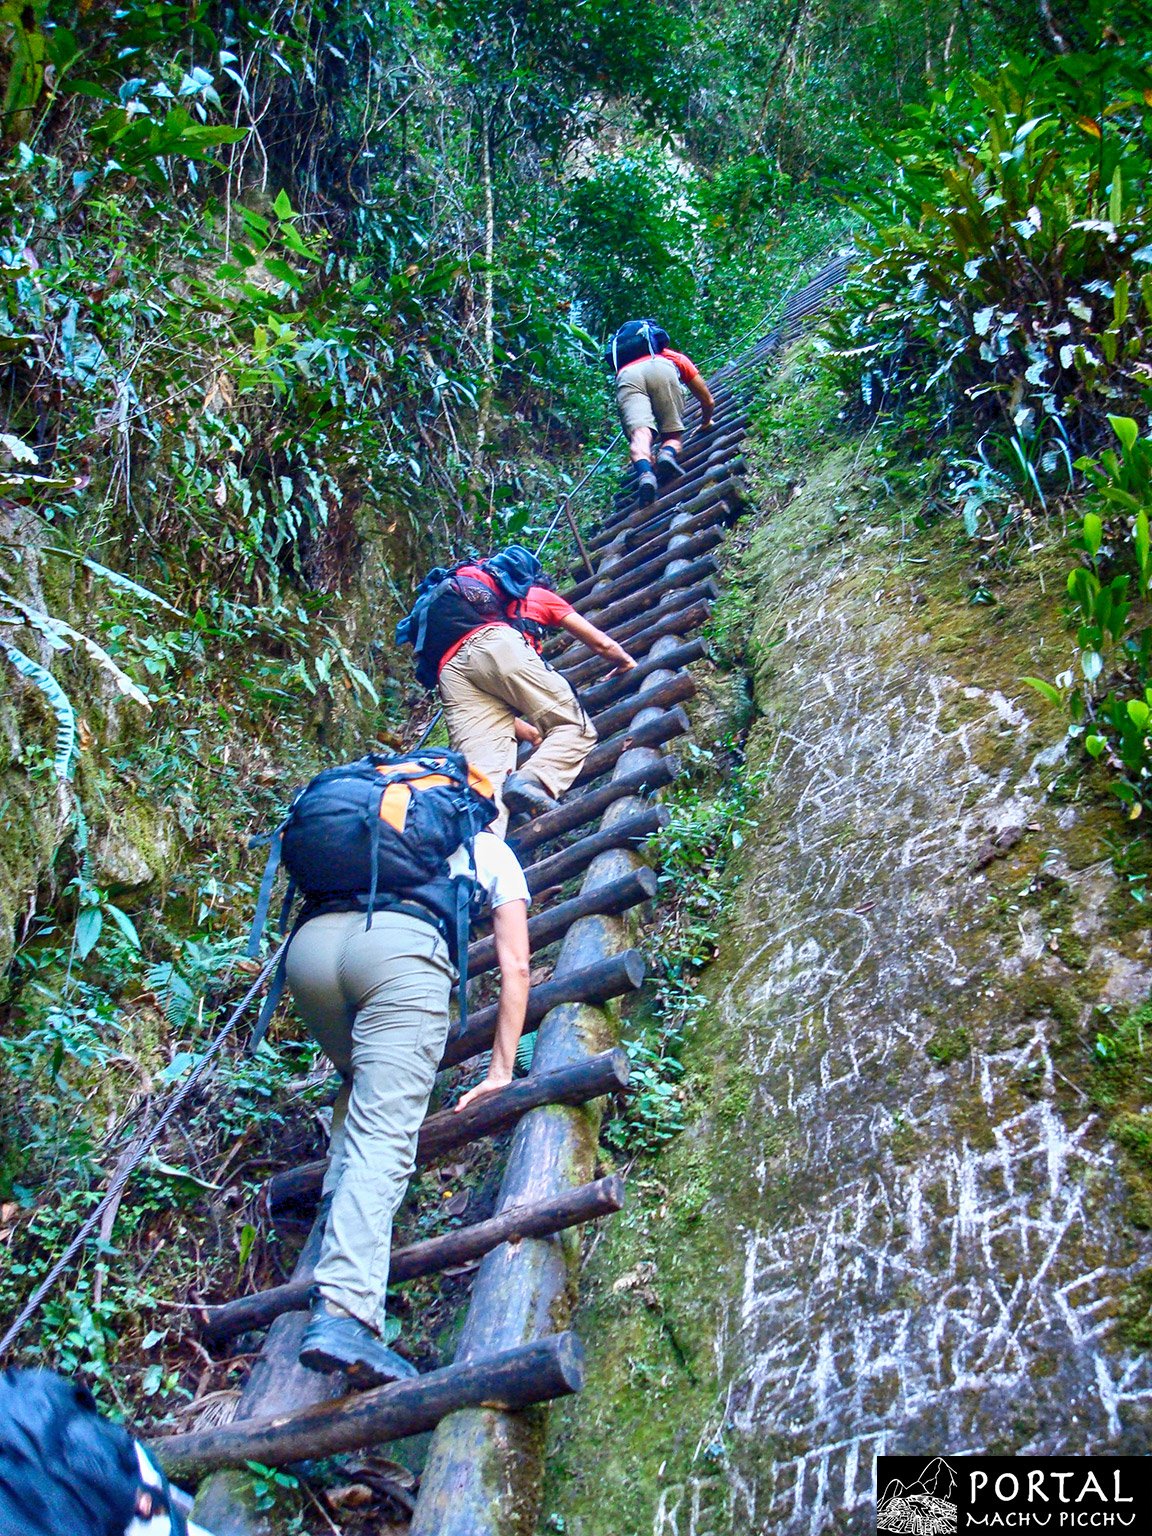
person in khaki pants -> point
(496, 688)
(376, 1000)
(649, 395)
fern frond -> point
(58, 702)
(53, 628)
(525, 1051)
(114, 578)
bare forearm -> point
(510, 1017)
(704, 395)
(596, 640)
(513, 957)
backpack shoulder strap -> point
(465, 887)
(264, 900)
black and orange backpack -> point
(376, 835)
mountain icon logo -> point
(925, 1507)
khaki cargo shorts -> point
(649, 394)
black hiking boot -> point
(667, 465)
(524, 796)
(646, 486)
(333, 1341)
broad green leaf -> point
(18, 449)
(1094, 745)
(282, 207)
(1143, 543)
(1126, 430)
(53, 628)
(1091, 664)
(1093, 533)
(125, 924)
(1120, 300)
(1138, 713)
(1045, 690)
(1116, 199)
(88, 926)
(179, 1175)
(282, 272)
(114, 578)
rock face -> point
(948, 1273)
(930, 1247)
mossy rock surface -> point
(897, 1220)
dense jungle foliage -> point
(299, 297)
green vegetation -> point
(298, 299)
(710, 821)
(1001, 314)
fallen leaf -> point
(220, 394)
(352, 1496)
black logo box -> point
(941, 1494)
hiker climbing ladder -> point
(654, 584)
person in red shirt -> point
(497, 690)
(649, 395)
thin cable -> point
(138, 1153)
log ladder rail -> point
(654, 585)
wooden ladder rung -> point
(588, 1202)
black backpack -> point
(64, 1470)
(376, 835)
(635, 339)
(450, 605)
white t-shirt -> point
(498, 871)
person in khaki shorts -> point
(649, 396)
(376, 1000)
(496, 688)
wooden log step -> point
(578, 810)
(712, 493)
(218, 1325)
(695, 474)
(653, 733)
(680, 622)
(613, 586)
(513, 1379)
(728, 493)
(726, 432)
(732, 421)
(676, 690)
(612, 688)
(595, 983)
(674, 604)
(553, 922)
(648, 600)
(449, 1130)
(684, 491)
(679, 525)
(629, 831)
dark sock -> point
(642, 465)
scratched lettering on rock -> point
(943, 1270)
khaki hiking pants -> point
(649, 394)
(377, 1001)
(494, 677)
